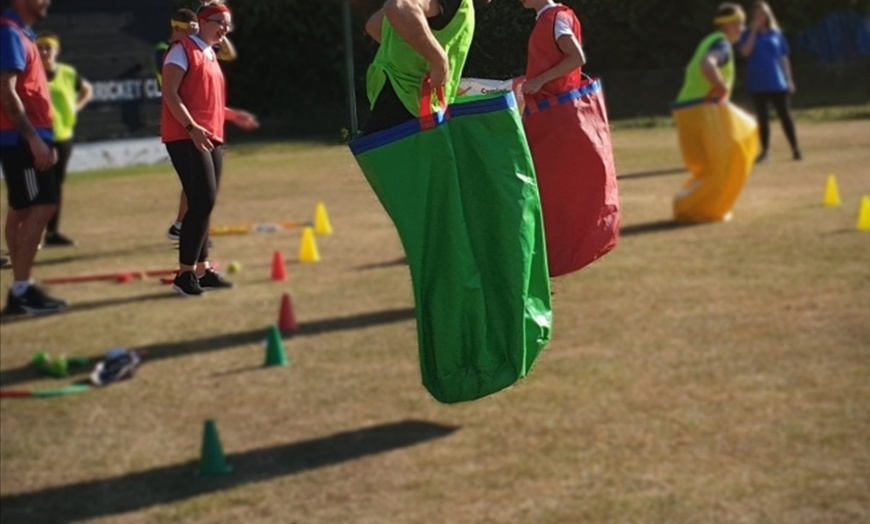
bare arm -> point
(43, 156)
(408, 18)
(786, 66)
(242, 118)
(227, 51)
(574, 58)
(710, 70)
(172, 76)
(84, 95)
(374, 24)
(749, 45)
(755, 27)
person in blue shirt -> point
(26, 153)
(768, 75)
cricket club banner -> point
(112, 44)
(132, 90)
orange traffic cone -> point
(279, 270)
(286, 318)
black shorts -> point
(26, 186)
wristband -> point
(189, 127)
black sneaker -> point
(57, 240)
(761, 158)
(186, 284)
(13, 306)
(4, 261)
(174, 233)
(35, 301)
(797, 155)
(211, 279)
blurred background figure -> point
(183, 23)
(69, 94)
(768, 75)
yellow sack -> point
(719, 142)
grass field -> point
(708, 374)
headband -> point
(49, 41)
(727, 19)
(212, 10)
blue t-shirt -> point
(13, 58)
(764, 70)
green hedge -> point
(291, 52)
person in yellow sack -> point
(70, 93)
(710, 73)
(718, 141)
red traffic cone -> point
(286, 318)
(279, 270)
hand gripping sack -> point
(569, 136)
(719, 144)
(462, 194)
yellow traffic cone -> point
(308, 250)
(321, 221)
(864, 214)
(832, 194)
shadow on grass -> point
(650, 174)
(401, 261)
(653, 227)
(78, 257)
(86, 306)
(176, 483)
(94, 304)
(161, 350)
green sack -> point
(463, 196)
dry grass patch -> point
(715, 373)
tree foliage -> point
(291, 52)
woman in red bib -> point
(192, 127)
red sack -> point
(569, 136)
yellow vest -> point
(63, 100)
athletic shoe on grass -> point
(186, 284)
(58, 240)
(174, 233)
(34, 301)
(213, 280)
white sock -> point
(20, 286)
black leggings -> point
(780, 103)
(200, 174)
(64, 151)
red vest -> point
(544, 53)
(31, 86)
(203, 92)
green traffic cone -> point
(211, 462)
(275, 354)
